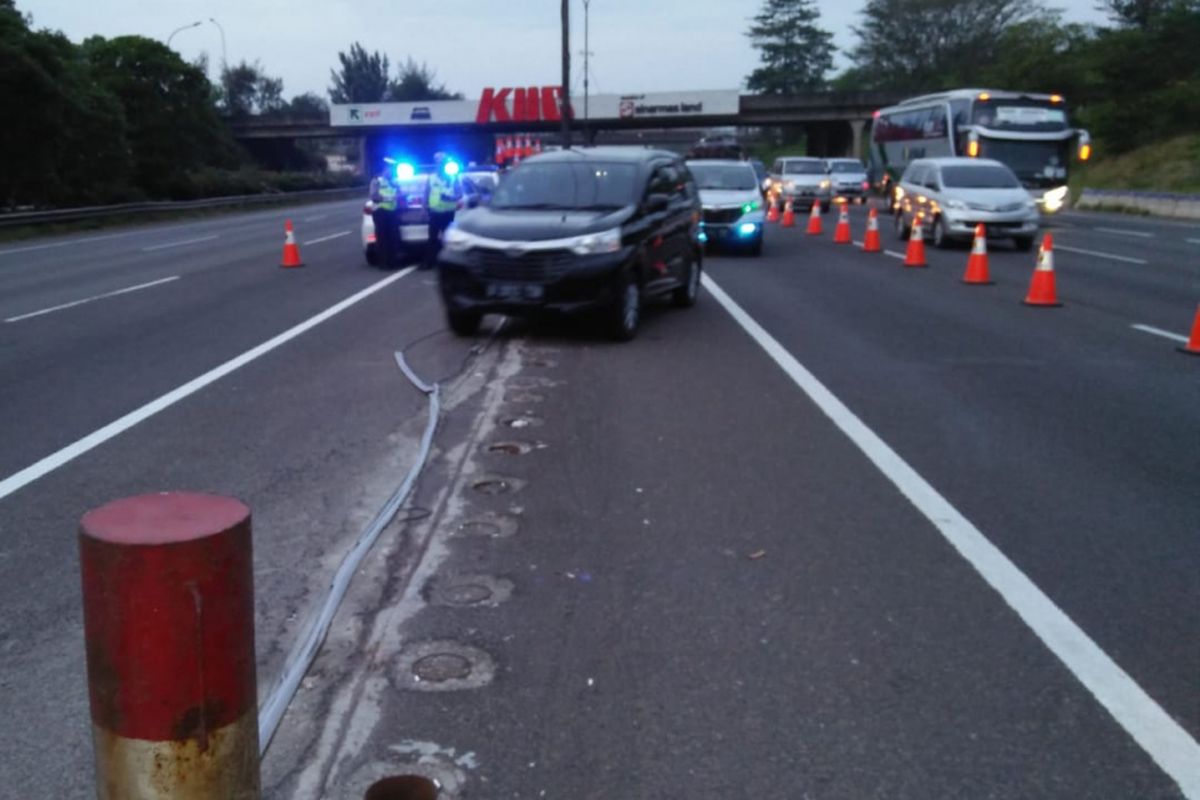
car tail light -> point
(866, 185)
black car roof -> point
(632, 155)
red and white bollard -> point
(168, 614)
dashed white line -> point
(1160, 332)
(93, 440)
(1171, 747)
(894, 254)
(93, 298)
(1193, 241)
(1126, 232)
(168, 245)
(1098, 254)
(326, 238)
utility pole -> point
(566, 73)
(587, 133)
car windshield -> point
(983, 176)
(803, 168)
(847, 166)
(724, 176)
(566, 185)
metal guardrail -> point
(20, 218)
(1161, 204)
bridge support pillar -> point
(857, 127)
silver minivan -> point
(956, 194)
(801, 179)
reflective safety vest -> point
(443, 193)
(387, 196)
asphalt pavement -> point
(681, 567)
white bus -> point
(1031, 133)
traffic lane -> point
(1163, 243)
(56, 276)
(1120, 224)
(716, 594)
(1159, 293)
(1066, 437)
(313, 437)
(69, 373)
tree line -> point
(1130, 81)
(126, 118)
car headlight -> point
(789, 184)
(1054, 199)
(824, 184)
(956, 205)
(457, 240)
(592, 243)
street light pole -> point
(177, 30)
(586, 117)
(565, 111)
(224, 60)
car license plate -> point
(514, 291)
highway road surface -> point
(843, 530)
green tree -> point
(247, 89)
(415, 82)
(308, 105)
(1043, 55)
(173, 127)
(1141, 13)
(362, 78)
(795, 52)
(920, 45)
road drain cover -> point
(496, 526)
(403, 787)
(510, 448)
(497, 484)
(469, 590)
(443, 666)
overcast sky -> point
(637, 45)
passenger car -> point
(848, 177)
(955, 194)
(800, 179)
(414, 218)
(596, 229)
(731, 204)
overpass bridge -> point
(835, 123)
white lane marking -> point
(326, 238)
(208, 238)
(894, 254)
(1160, 332)
(1098, 254)
(1193, 241)
(1125, 232)
(1151, 727)
(74, 303)
(86, 240)
(98, 437)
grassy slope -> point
(1170, 166)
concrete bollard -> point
(168, 612)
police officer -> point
(384, 194)
(444, 193)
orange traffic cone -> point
(841, 234)
(977, 264)
(1192, 347)
(914, 256)
(1042, 291)
(789, 215)
(871, 243)
(291, 252)
(772, 211)
(814, 221)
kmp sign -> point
(534, 104)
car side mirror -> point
(657, 202)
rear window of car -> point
(846, 166)
(982, 176)
(724, 176)
(803, 168)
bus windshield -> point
(1036, 163)
(1019, 116)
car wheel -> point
(685, 296)
(1023, 243)
(902, 229)
(938, 236)
(625, 314)
(372, 256)
(463, 323)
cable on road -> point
(302, 656)
(309, 645)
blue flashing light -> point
(703, 237)
(405, 171)
(452, 168)
(747, 229)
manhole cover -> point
(467, 594)
(497, 484)
(493, 525)
(403, 787)
(510, 448)
(442, 667)
(469, 590)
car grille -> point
(990, 207)
(540, 266)
(722, 216)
